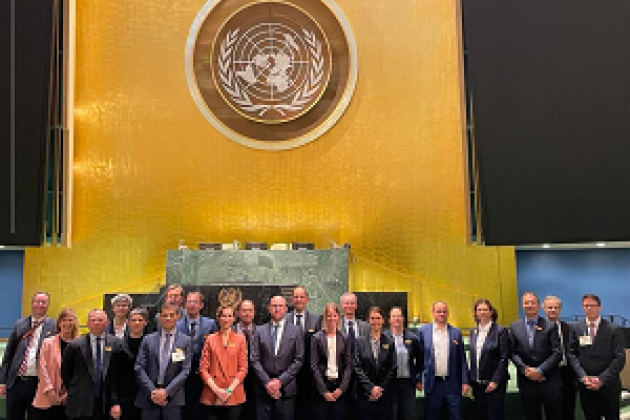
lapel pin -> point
(385, 346)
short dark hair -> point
(531, 293)
(167, 305)
(494, 315)
(375, 309)
(197, 292)
(592, 296)
(176, 286)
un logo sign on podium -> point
(271, 74)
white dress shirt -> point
(331, 367)
(482, 334)
(440, 350)
(31, 357)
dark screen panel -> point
(26, 54)
(550, 91)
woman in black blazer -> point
(375, 369)
(331, 379)
(489, 355)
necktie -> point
(166, 349)
(351, 334)
(591, 332)
(530, 332)
(299, 320)
(375, 346)
(29, 343)
(193, 329)
(98, 368)
(564, 358)
(274, 337)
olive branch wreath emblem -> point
(303, 95)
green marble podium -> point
(323, 272)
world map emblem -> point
(270, 63)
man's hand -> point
(533, 374)
(328, 396)
(159, 396)
(376, 393)
(115, 411)
(491, 387)
(337, 393)
(419, 386)
(3, 390)
(465, 389)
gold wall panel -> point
(389, 178)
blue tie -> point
(274, 337)
(530, 332)
(351, 335)
(98, 368)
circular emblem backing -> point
(269, 77)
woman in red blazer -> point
(50, 397)
(222, 368)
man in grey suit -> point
(277, 354)
(597, 361)
(18, 374)
(309, 323)
(162, 365)
(87, 374)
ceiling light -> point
(600, 244)
(546, 246)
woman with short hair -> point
(121, 305)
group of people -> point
(305, 366)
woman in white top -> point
(489, 355)
(121, 306)
(331, 362)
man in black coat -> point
(552, 306)
(536, 353)
(86, 372)
(597, 361)
(18, 374)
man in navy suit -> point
(18, 374)
(309, 323)
(445, 375)
(552, 306)
(277, 354)
(597, 361)
(197, 327)
(87, 373)
(246, 326)
(536, 353)
(162, 365)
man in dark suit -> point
(445, 376)
(552, 306)
(309, 323)
(536, 353)
(597, 361)
(162, 365)
(197, 327)
(245, 326)
(18, 374)
(353, 328)
(87, 374)
(277, 354)
(174, 296)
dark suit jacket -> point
(14, 351)
(205, 327)
(415, 351)
(123, 370)
(362, 327)
(77, 375)
(111, 330)
(284, 366)
(495, 353)
(605, 358)
(372, 372)
(147, 369)
(312, 322)
(457, 366)
(319, 360)
(545, 354)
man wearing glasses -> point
(598, 359)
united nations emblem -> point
(230, 297)
(287, 64)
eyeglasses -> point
(587, 306)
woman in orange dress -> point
(222, 368)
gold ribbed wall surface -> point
(389, 178)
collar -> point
(436, 327)
(597, 322)
(197, 320)
(484, 328)
(279, 323)
(171, 332)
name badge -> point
(385, 346)
(407, 342)
(178, 356)
(107, 348)
(231, 345)
(311, 331)
(585, 340)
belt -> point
(334, 380)
(27, 378)
(441, 378)
(482, 382)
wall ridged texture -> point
(389, 178)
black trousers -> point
(56, 412)
(490, 406)
(569, 391)
(536, 396)
(329, 410)
(268, 408)
(405, 394)
(222, 412)
(193, 409)
(604, 402)
(20, 397)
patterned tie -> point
(166, 349)
(193, 334)
(299, 321)
(30, 342)
(591, 332)
(375, 346)
(351, 335)
(98, 368)
(274, 337)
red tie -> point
(29, 337)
